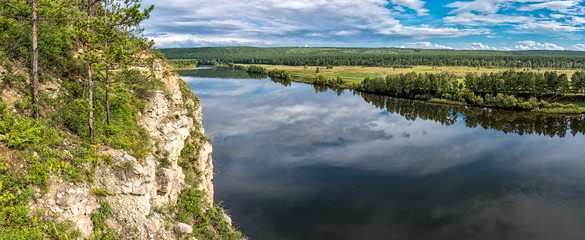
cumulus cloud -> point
(182, 40)
(577, 20)
(472, 19)
(523, 15)
(494, 6)
(424, 45)
(558, 6)
(580, 47)
(188, 23)
(549, 26)
(229, 22)
(483, 6)
(416, 5)
(481, 46)
(532, 45)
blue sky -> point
(477, 24)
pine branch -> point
(17, 18)
(5, 3)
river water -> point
(296, 162)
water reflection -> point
(216, 72)
(293, 164)
(518, 122)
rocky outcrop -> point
(70, 201)
(137, 188)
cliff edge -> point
(165, 193)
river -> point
(296, 162)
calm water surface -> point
(299, 163)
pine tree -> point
(35, 50)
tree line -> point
(509, 89)
(383, 57)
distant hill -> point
(390, 57)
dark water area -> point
(303, 162)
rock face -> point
(134, 188)
(71, 201)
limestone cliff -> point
(139, 190)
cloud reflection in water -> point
(293, 164)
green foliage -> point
(188, 94)
(100, 192)
(500, 90)
(188, 149)
(578, 81)
(193, 208)
(20, 132)
(16, 192)
(412, 84)
(321, 80)
(253, 70)
(256, 70)
(183, 63)
(280, 75)
(164, 162)
(124, 132)
(101, 229)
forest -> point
(510, 89)
(383, 57)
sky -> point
(436, 24)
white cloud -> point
(424, 45)
(494, 6)
(557, 16)
(577, 20)
(416, 5)
(549, 26)
(399, 8)
(288, 22)
(483, 6)
(345, 33)
(485, 19)
(481, 46)
(183, 40)
(532, 45)
(558, 6)
(580, 47)
(523, 15)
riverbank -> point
(483, 87)
(358, 73)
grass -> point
(579, 104)
(356, 74)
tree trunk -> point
(35, 63)
(108, 113)
(89, 77)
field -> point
(351, 74)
